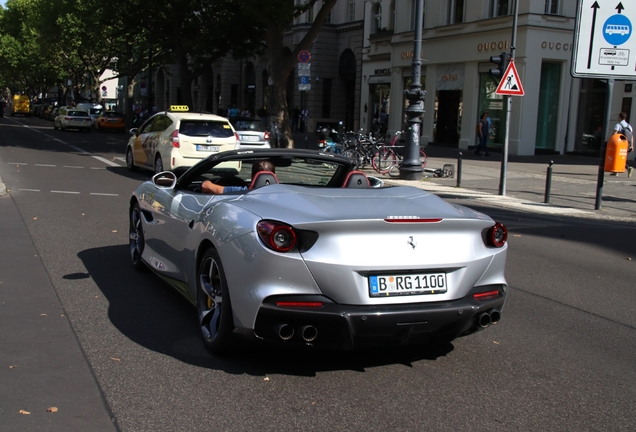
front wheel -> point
(130, 161)
(158, 164)
(213, 304)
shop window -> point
(499, 8)
(548, 106)
(552, 7)
(494, 104)
(455, 11)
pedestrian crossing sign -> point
(510, 84)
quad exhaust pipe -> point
(285, 332)
(485, 319)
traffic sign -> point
(304, 56)
(304, 69)
(304, 84)
(603, 42)
(510, 83)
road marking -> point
(103, 194)
(98, 168)
(71, 166)
(65, 192)
(30, 190)
(17, 163)
(45, 165)
(80, 150)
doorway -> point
(448, 119)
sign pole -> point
(504, 157)
(601, 166)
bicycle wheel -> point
(383, 160)
(354, 156)
(423, 158)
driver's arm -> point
(210, 188)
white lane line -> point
(45, 165)
(103, 194)
(106, 161)
(98, 168)
(30, 190)
(65, 192)
(17, 163)
(71, 166)
(80, 150)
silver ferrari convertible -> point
(311, 252)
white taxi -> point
(178, 138)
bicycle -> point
(389, 156)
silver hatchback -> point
(251, 133)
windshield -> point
(96, 111)
(216, 129)
(248, 125)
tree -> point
(277, 16)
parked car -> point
(53, 113)
(110, 120)
(178, 138)
(93, 110)
(323, 256)
(72, 118)
(251, 132)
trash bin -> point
(616, 154)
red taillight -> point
(175, 139)
(68, 118)
(277, 236)
(497, 235)
(486, 295)
(266, 136)
(298, 304)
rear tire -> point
(130, 161)
(137, 241)
(214, 308)
(158, 164)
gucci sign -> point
(556, 45)
(492, 46)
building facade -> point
(361, 63)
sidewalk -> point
(573, 190)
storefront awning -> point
(379, 79)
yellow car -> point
(21, 105)
(178, 139)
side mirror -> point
(134, 131)
(164, 180)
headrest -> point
(263, 178)
(356, 180)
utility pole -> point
(411, 167)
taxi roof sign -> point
(179, 108)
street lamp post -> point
(411, 167)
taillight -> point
(266, 136)
(68, 118)
(486, 295)
(175, 139)
(277, 236)
(298, 304)
(497, 235)
(238, 142)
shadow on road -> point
(149, 312)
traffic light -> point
(502, 64)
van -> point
(21, 105)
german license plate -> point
(410, 284)
(249, 138)
(209, 148)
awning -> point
(379, 79)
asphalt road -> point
(117, 349)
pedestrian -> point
(304, 117)
(294, 119)
(624, 128)
(482, 133)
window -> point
(377, 18)
(552, 7)
(352, 10)
(310, 15)
(456, 11)
(392, 14)
(499, 7)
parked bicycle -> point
(388, 157)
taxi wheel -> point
(158, 164)
(213, 304)
(130, 162)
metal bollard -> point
(459, 169)
(548, 183)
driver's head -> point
(262, 165)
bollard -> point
(459, 169)
(548, 184)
